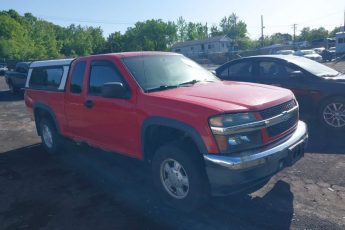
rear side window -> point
(78, 77)
(102, 72)
(46, 77)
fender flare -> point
(39, 105)
(172, 123)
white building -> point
(204, 47)
(340, 43)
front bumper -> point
(230, 174)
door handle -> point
(88, 104)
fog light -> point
(238, 139)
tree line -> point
(28, 37)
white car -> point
(319, 50)
(311, 54)
(285, 52)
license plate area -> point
(295, 153)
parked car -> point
(3, 68)
(319, 89)
(200, 135)
(285, 52)
(310, 54)
(329, 54)
(16, 79)
(319, 50)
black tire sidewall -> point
(198, 192)
(55, 136)
(323, 106)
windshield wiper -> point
(192, 82)
(160, 88)
(164, 87)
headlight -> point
(230, 143)
(228, 120)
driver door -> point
(109, 122)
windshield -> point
(166, 71)
(314, 67)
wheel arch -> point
(186, 131)
(42, 110)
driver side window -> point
(102, 72)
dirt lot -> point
(84, 188)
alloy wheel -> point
(174, 178)
(334, 114)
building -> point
(202, 49)
(340, 43)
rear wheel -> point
(332, 113)
(51, 139)
(179, 176)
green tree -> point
(335, 30)
(150, 35)
(215, 31)
(14, 39)
(308, 34)
(232, 27)
(115, 42)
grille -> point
(283, 126)
(276, 110)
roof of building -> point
(206, 40)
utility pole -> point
(344, 22)
(294, 33)
(262, 31)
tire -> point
(332, 114)
(51, 139)
(184, 189)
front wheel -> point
(332, 114)
(179, 176)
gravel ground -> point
(85, 188)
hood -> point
(229, 96)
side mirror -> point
(214, 72)
(115, 90)
(296, 74)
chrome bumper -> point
(256, 164)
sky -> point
(114, 15)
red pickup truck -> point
(200, 135)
